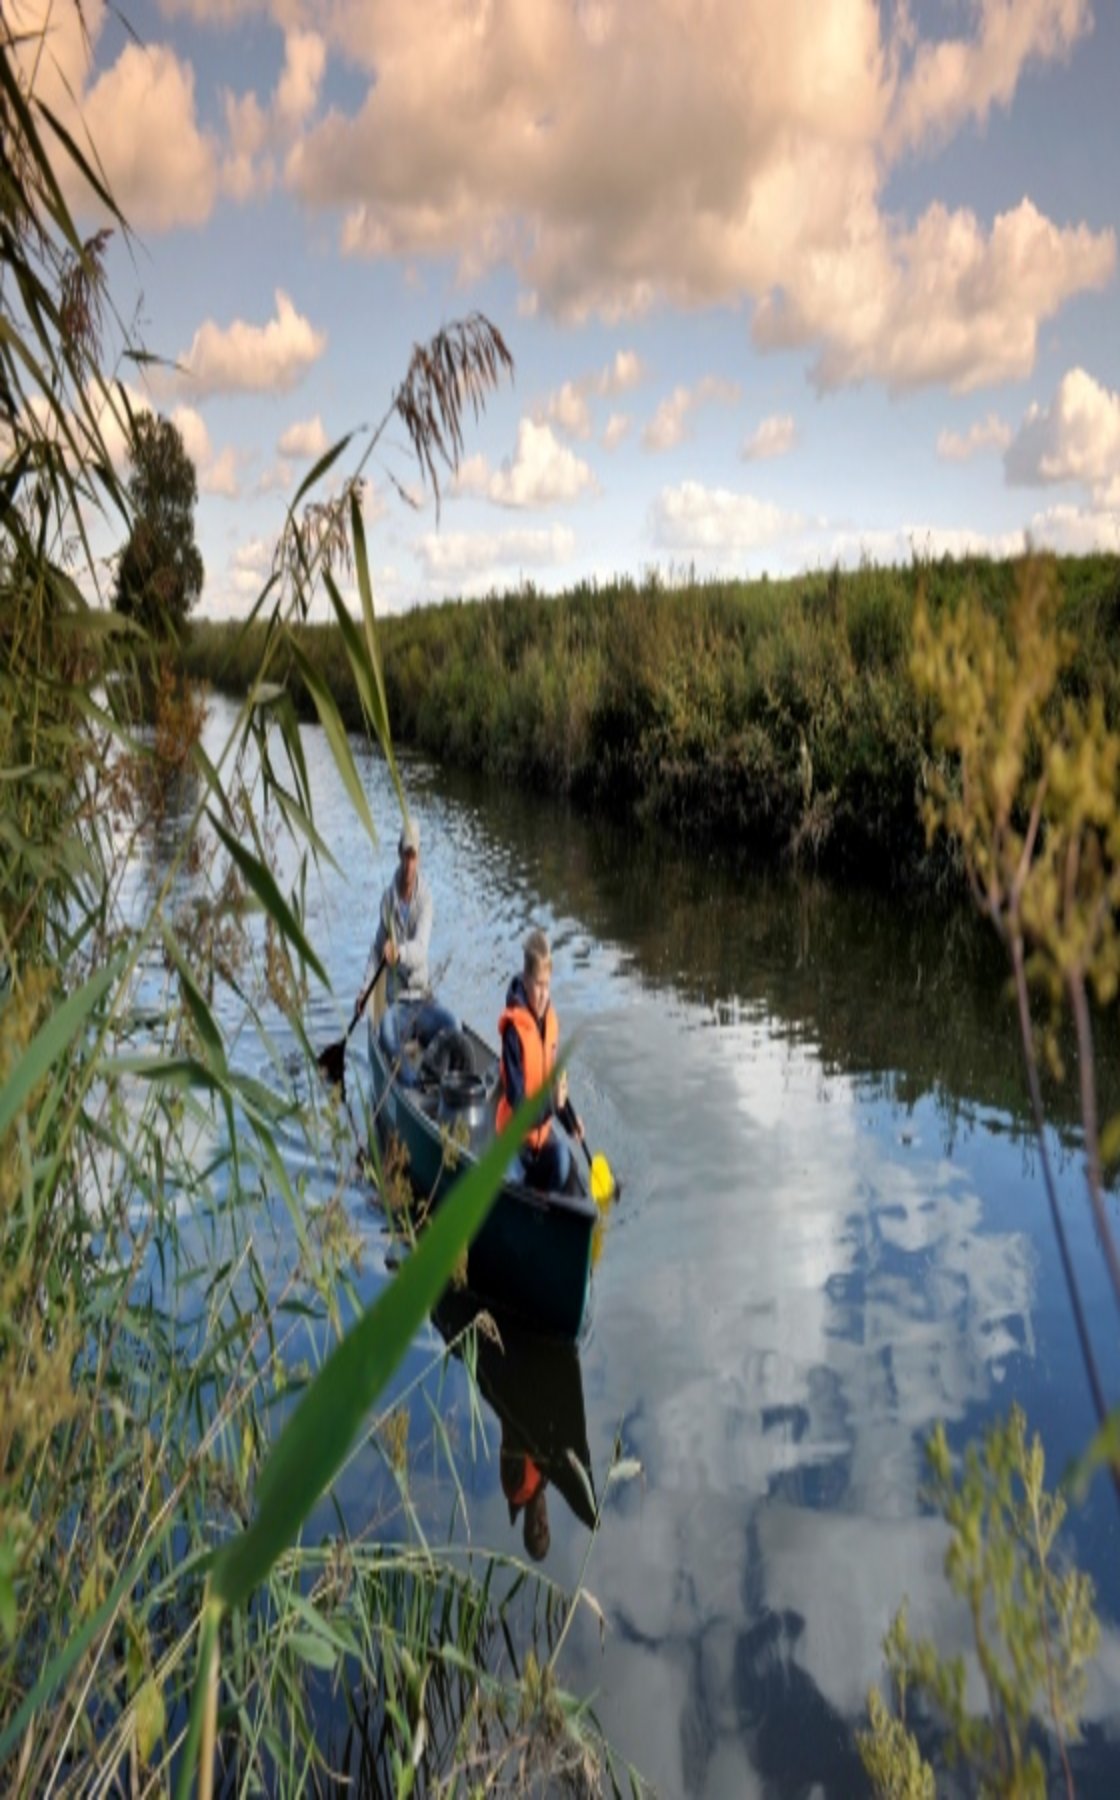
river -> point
(832, 1234)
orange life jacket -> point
(539, 1044)
(520, 1479)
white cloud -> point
(193, 430)
(986, 434)
(243, 358)
(259, 134)
(542, 472)
(450, 555)
(1075, 438)
(254, 557)
(625, 371)
(775, 436)
(942, 303)
(907, 543)
(297, 92)
(304, 438)
(1076, 531)
(757, 176)
(221, 474)
(669, 425)
(960, 78)
(246, 170)
(695, 517)
(568, 409)
(139, 113)
(615, 430)
(276, 479)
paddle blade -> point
(602, 1181)
(332, 1063)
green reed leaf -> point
(365, 591)
(316, 1438)
(318, 470)
(52, 1041)
(337, 738)
(201, 1016)
(263, 883)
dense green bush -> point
(779, 714)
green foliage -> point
(1026, 780)
(1033, 1626)
(160, 573)
(781, 715)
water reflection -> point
(831, 1236)
(534, 1386)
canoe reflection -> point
(535, 1387)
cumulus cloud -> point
(625, 371)
(297, 92)
(139, 113)
(254, 557)
(1077, 531)
(986, 434)
(276, 479)
(221, 474)
(246, 170)
(452, 555)
(757, 176)
(669, 425)
(1075, 438)
(259, 134)
(695, 517)
(304, 438)
(775, 436)
(568, 408)
(615, 430)
(542, 472)
(942, 303)
(963, 78)
(244, 358)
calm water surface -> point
(832, 1234)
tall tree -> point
(160, 573)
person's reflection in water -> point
(524, 1487)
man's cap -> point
(409, 838)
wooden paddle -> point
(604, 1187)
(332, 1060)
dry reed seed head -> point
(393, 1432)
(487, 1326)
(458, 367)
(81, 298)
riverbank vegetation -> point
(780, 716)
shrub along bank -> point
(776, 715)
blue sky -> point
(783, 286)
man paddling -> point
(403, 935)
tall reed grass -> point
(780, 716)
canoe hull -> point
(531, 1259)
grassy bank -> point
(781, 715)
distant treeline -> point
(777, 715)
